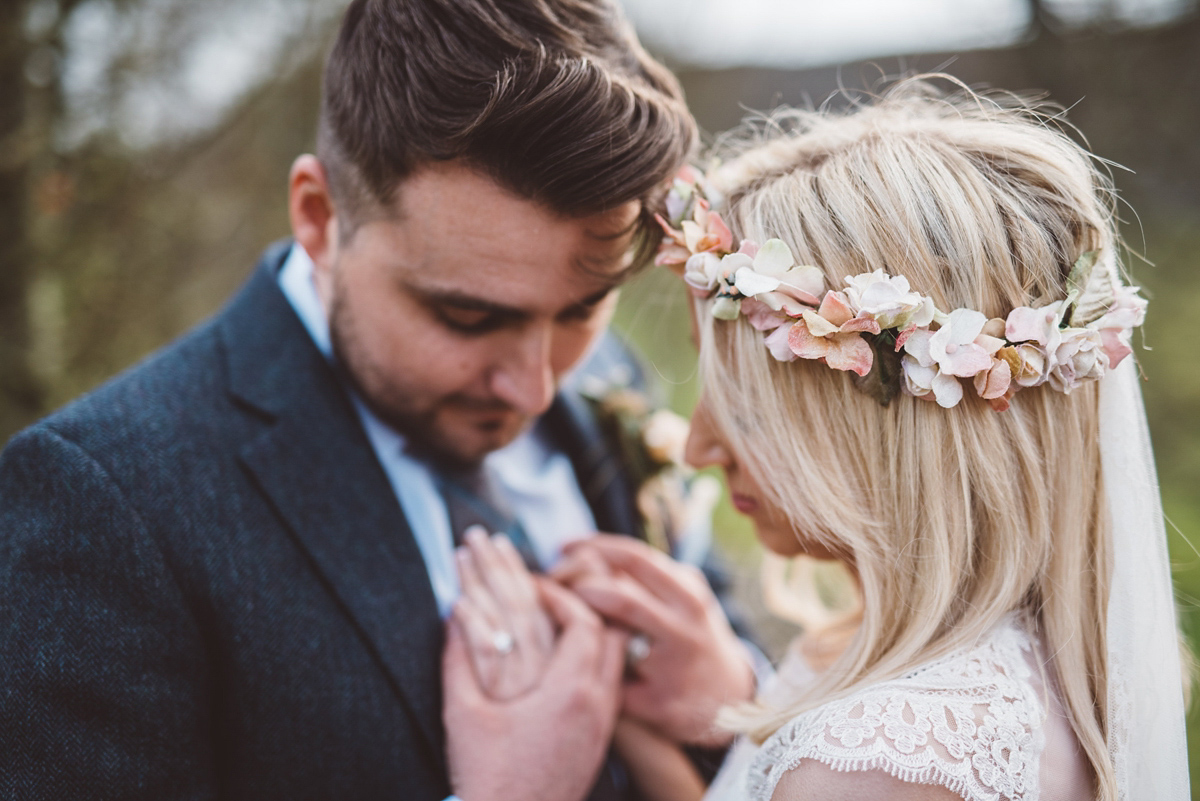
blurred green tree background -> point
(145, 144)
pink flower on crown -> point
(832, 334)
(1079, 357)
(673, 249)
(1116, 326)
(995, 384)
(779, 344)
(934, 360)
(1040, 326)
(706, 232)
(775, 322)
(1027, 364)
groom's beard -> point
(455, 429)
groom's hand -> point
(548, 744)
(694, 665)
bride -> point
(914, 338)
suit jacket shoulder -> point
(213, 591)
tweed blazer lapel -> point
(316, 466)
(600, 474)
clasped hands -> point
(537, 674)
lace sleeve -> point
(970, 723)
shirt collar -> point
(296, 281)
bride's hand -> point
(691, 663)
(659, 768)
(509, 635)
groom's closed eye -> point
(584, 309)
(471, 321)
(471, 316)
(466, 314)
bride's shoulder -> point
(815, 780)
(967, 725)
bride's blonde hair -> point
(952, 517)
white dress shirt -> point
(537, 480)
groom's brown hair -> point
(553, 99)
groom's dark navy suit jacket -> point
(209, 590)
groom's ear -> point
(311, 210)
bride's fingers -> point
(674, 584)
(626, 602)
(521, 579)
(480, 638)
(512, 590)
(476, 589)
(534, 620)
(578, 563)
(498, 573)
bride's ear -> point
(312, 212)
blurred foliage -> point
(112, 242)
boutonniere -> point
(675, 504)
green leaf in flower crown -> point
(1077, 281)
(883, 381)
(1098, 295)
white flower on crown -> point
(703, 271)
(888, 299)
(770, 274)
(934, 360)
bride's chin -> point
(788, 542)
(780, 541)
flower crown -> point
(864, 327)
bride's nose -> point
(704, 445)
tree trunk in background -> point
(20, 393)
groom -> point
(223, 575)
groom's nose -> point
(524, 378)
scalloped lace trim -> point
(970, 722)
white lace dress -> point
(978, 723)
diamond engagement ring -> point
(636, 650)
(503, 642)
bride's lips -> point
(743, 503)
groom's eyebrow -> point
(462, 300)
